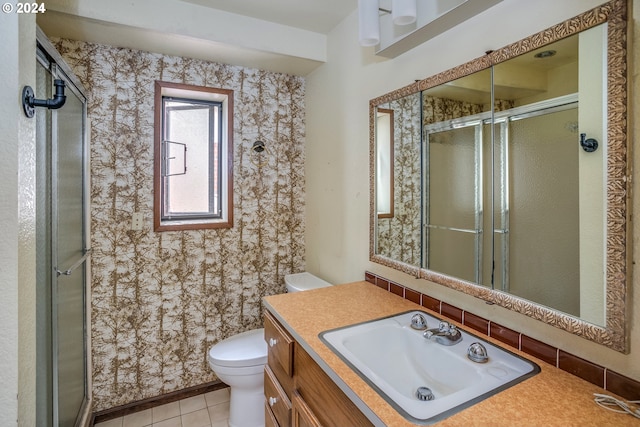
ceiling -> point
(319, 16)
(288, 36)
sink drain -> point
(424, 393)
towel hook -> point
(588, 144)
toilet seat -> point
(224, 372)
(247, 349)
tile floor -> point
(206, 410)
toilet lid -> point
(304, 281)
(245, 349)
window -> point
(384, 163)
(193, 157)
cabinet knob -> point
(273, 401)
(272, 342)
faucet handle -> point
(477, 353)
(418, 322)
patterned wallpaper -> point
(160, 300)
(399, 237)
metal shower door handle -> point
(67, 272)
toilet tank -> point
(303, 282)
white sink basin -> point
(396, 360)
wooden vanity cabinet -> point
(301, 414)
(269, 418)
(278, 374)
(324, 399)
(297, 391)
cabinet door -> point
(280, 344)
(280, 352)
(269, 418)
(302, 415)
(329, 403)
(276, 398)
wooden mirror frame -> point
(615, 333)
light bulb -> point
(369, 22)
(403, 12)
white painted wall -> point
(8, 225)
(592, 173)
(17, 228)
(337, 168)
(181, 28)
(26, 230)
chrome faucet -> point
(445, 334)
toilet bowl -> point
(239, 361)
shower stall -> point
(513, 189)
(62, 253)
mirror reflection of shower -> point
(530, 174)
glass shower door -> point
(544, 208)
(454, 201)
(69, 257)
(62, 393)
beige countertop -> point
(551, 398)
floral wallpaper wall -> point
(160, 300)
(399, 236)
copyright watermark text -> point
(24, 8)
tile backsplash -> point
(595, 374)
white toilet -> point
(239, 361)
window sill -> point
(192, 225)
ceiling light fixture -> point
(545, 54)
(403, 12)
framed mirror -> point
(510, 177)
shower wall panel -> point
(161, 300)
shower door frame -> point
(54, 64)
(477, 122)
(501, 118)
